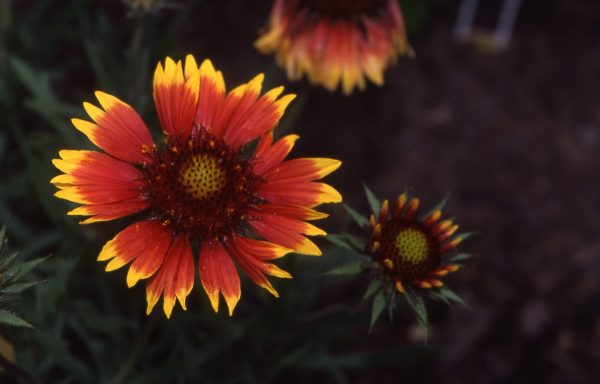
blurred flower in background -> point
(336, 43)
(199, 187)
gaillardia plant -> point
(405, 254)
(204, 185)
(335, 42)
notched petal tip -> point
(329, 195)
(151, 299)
(308, 248)
(232, 302)
(106, 100)
(326, 166)
(133, 277)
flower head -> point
(198, 186)
(336, 42)
(404, 254)
(410, 249)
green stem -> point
(135, 353)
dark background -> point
(513, 136)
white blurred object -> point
(495, 40)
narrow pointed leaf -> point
(438, 296)
(352, 268)
(452, 296)
(347, 241)
(417, 304)
(373, 287)
(460, 257)
(377, 308)
(8, 318)
(4, 261)
(18, 271)
(374, 202)
(357, 217)
(18, 287)
(440, 206)
(465, 235)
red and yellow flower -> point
(198, 187)
(410, 250)
(336, 42)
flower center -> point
(202, 176)
(411, 247)
(344, 7)
(201, 187)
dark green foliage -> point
(11, 286)
(90, 328)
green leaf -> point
(465, 235)
(357, 217)
(374, 202)
(8, 318)
(440, 206)
(374, 286)
(43, 99)
(438, 296)
(377, 308)
(460, 257)
(347, 241)
(352, 268)
(4, 261)
(417, 304)
(18, 287)
(18, 271)
(451, 296)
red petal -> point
(268, 156)
(237, 103)
(144, 239)
(306, 169)
(174, 279)
(211, 97)
(110, 211)
(218, 274)
(286, 232)
(292, 211)
(250, 255)
(146, 264)
(119, 130)
(176, 98)
(306, 193)
(110, 187)
(261, 118)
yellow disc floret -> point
(202, 176)
(411, 246)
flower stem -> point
(135, 353)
